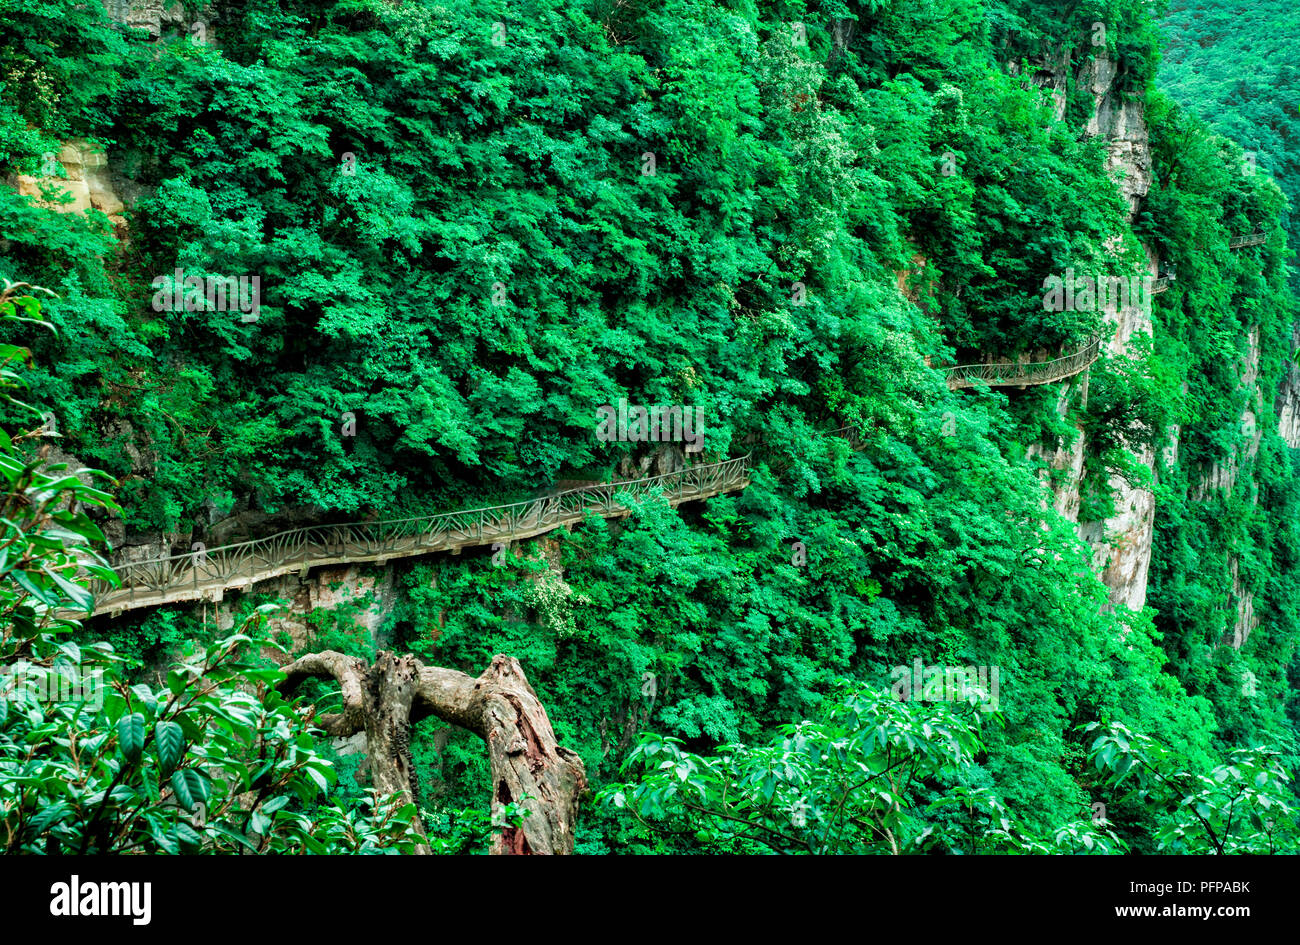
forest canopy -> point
(448, 235)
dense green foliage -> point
(1234, 64)
(200, 765)
(459, 242)
(847, 785)
(213, 761)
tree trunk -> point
(528, 767)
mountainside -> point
(458, 247)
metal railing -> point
(206, 574)
(200, 574)
(1023, 373)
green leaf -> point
(146, 696)
(234, 835)
(77, 593)
(45, 596)
(197, 783)
(171, 745)
(130, 735)
(317, 777)
(187, 835)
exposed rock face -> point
(151, 15)
(1223, 476)
(1244, 620)
(327, 588)
(1065, 460)
(1050, 72)
(662, 460)
(1122, 543)
(88, 182)
(1123, 124)
(1288, 399)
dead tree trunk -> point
(499, 706)
(377, 700)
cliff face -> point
(1288, 399)
(151, 15)
(1122, 123)
(1121, 544)
(1224, 475)
(85, 177)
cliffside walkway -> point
(1023, 373)
(206, 575)
(1251, 239)
(201, 575)
(1028, 373)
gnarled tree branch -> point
(499, 706)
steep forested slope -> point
(473, 227)
(1233, 63)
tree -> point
(1241, 806)
(528, 766)
(860, 780)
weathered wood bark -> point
(389, 693)
(499, 706)
(376, 699)
(527, 765)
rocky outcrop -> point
(1065, 459)
(1222, 475)
(370, 596)
(1116, 116)
(151, 15)
(1121, 544)
(85, 177)
(1121, 120)
(1243, 603)
(1288, 398)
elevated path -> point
(208, 574)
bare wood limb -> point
(348, 671)
(528, 766)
